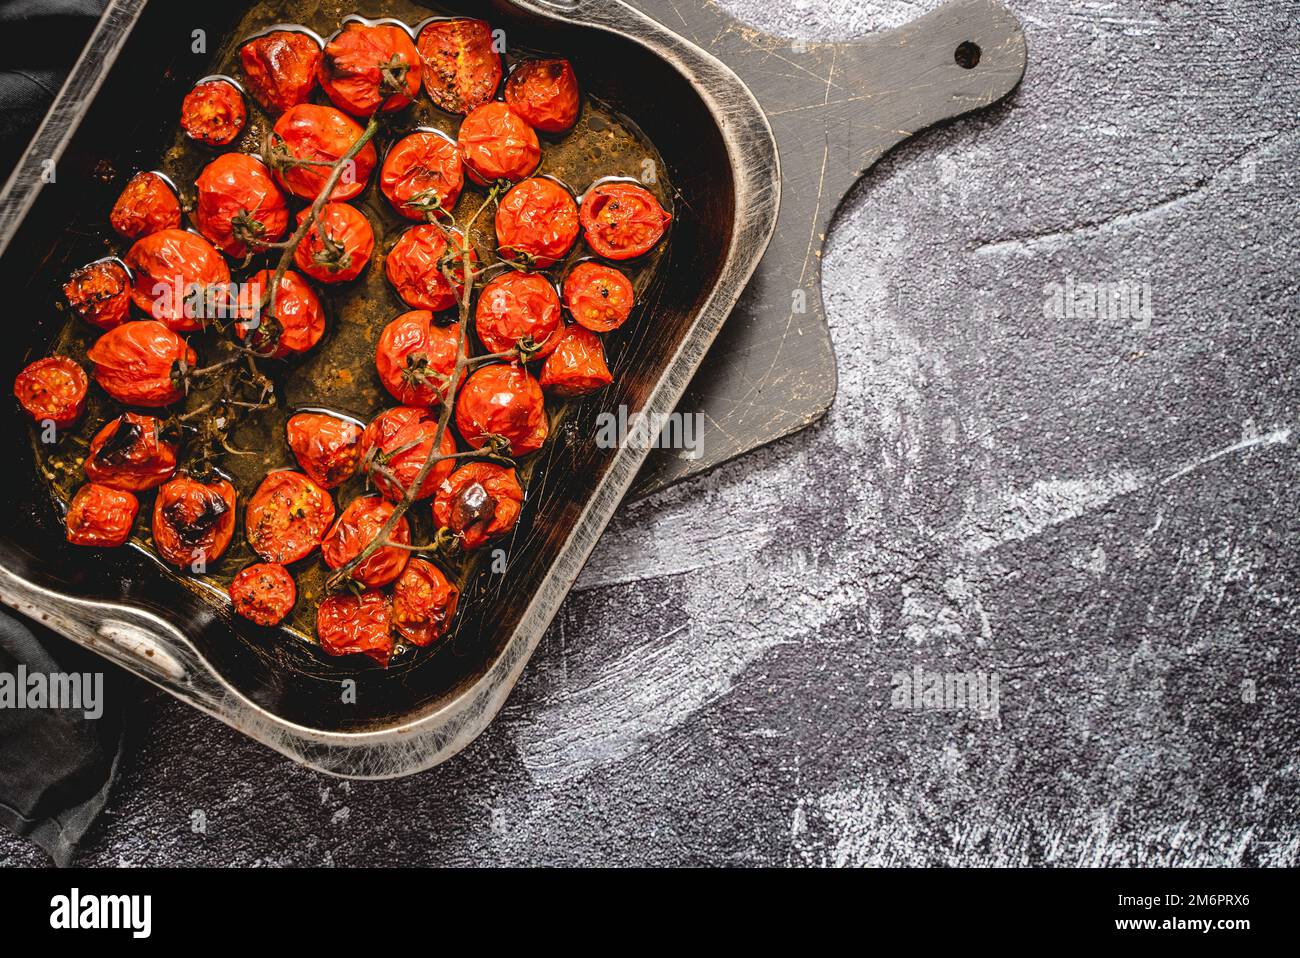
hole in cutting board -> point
(967, 55)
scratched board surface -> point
(1100, 510)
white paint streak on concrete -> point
(1274, 438)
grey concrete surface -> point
(1099, 510)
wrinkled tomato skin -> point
(424, 603)
(348, 624)
(411, 355)
(146, 205)
(129, 453)
(514, 306)
(135, 362)
(598, 297)
(502, 400)
(387, 438)
(236, 186)
(577, 366)
(351, 70)
(287, 517)
(413, 267)
(545, 94)
(100, 293)
(298, 323)
(622, 220)
(53, 389)
(311, 132)
(461, 68)
(355, 529)
(100, 516)
(344, 225)
(193, 521)
(479, 516)
(280, 68)
(537, 223)
(167, 266)
(213, 113)
(327, 448)
(497, 145)
(420, 169)
(263, 593)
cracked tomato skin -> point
(355, 529)
(412, 353)
(370, 67)
(299, 321)
(327, 448)
(129, 453)
(280, 68)
(348, 624)
(414, 267)
(100, 293)
(100, 516)
(598, 297)
(193, 521)
(622, 220)
(213, 112)
(537, 223)
(146, 205)
(502, 400)
(168, 265)
(497, 145)
(424, 603)
(341, 231)
(263, 593)
(479, 502)
(324, 134)
(545, 94)
(420, 169)
(577, 366)
(53, 389)
(514, 306)
(402, 439)
(137, 363)
(287, 517)
(236, 186)
(462, 70)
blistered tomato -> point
(100, 516)
(130, 453)
(142, 363)
(53, 389)
(622, 220)
(479, 502)
(263, 593)
(348, 624)
(515, 308)
(369, 67)
(320, 134)
(415, 359)
(100, 293)
(287, 517)
(422, 176)
(356, 528)
(462, 67)
(239, 204)
(577, 366)
(193, 521)
(502, 401)
(497, 145)
(338, 245)
(537, 223)
(424, 603)
(213, 112)
(147, 204)
(280, 68)
(545, 94)
(297, 324)
(414, 266)
(326, 447)
(395, 446)
(598, 297)
(174, 270)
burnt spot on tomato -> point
(192, 530)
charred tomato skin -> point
(414, 268)
(311, 132)
(462, 69)
(193, 520)
(537, 222)
(420, 169)
(370, 67)
(263, 593)
(298, 323)
(338, 246)
(100, 293)
(355, 529)
(100, 516)
(327, 448)
(280, 68)
(545, 94)
(497, 145)
(577, 365)
(146, 205)
(515, 306)
(502, 400)
(287, 517)
(176, 261)
(52, 389)
(349, 624)
(401, 439)
(138, 363)
(411, 355)
(598, 297)
(622, 220)
(424, 603)
(479, 502)
(129, 453)
(213, 112)
(236, 191)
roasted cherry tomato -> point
(53, 389)
(398, 441)
(415, 358)
(100, 293)
(100, 516)
(347, 624)
(424, 603)
(320, 134)
(598, 297)
(545, 94)
(497, 145)
(193, 521)
(338, 245)
(414, 267)
(502, 400)
(141, 363)
(517, 307)
(326, 447)
(479, 502)
(287, 517)
(622, 220)
(264, 593)
(297, 324)
(213, 112)
(356, 529)
(577, 366)
(239, 204)
(422, 176)
(147, 204)
(537, 223)
(173, 269)
(280, 68)
(130, 453)
(462, 67)
(370, 67)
